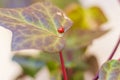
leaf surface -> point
(85, 28)
(32, 64)
(82, 38)
(110, 70)
(35, 27)
(86, 18)
(61, 3)
(29, 65)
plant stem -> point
(96, 77)
(63, 66)
(111, 56)
(114, 50)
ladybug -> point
(61, 30)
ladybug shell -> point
(61, 30)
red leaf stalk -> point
(114, 50)
(63, 66)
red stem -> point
(114, 50)
(63, 66)
(96, 77)
(111, 56)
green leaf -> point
(93, 18)
(110, 70)
(75, 74)
(32, 64)
(74, 58)
(86, 18)
(61, 3)
(35, 27)
(29, 65)
(98, 15)
(77, 42)
(82, 38)
(78, 76)
(76, 13)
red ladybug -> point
(61, 30)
